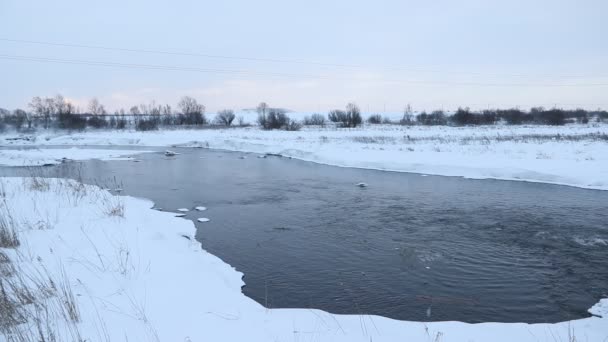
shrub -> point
(97, 121)
(314, 120)
(71, 121)
(555, 117)
(349, 118)
(121, 123)
(16, 119)
(513, 116)
(338, 116)
(147, 124)
(277, 119)
(408, 116)
(354, 115)
(193, 113)
(463, 117)
(292, 125)
(374, 119)
(435, 118)
(225, 117)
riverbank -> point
(96, 266)
(574, 155)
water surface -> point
(408, 246)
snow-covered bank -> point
(137, 274)
(36, 157)
(575, 155)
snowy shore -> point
(38, 157)
(575, 155)
(130, 272)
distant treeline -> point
(58, 113)
(538, 115)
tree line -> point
(58, 112)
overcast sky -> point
(309, 55)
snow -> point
(575, 155)
(183, 210)
(138, 274)
(203, 219)
(36, 157)
(200, 208)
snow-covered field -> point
(575, 155)
(100, 267)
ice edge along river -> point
(500, 152)
(139, 274)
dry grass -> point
(8, 234)
(116, 209)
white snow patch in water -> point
(203, 219)
(183, 210)
(201, 208)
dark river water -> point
(408, 246)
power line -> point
(246, 72)
(272, 60)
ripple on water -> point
(590, 241)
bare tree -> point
(225, 117)
(21, 117)
(166, 110)
(408, 116)
(134, 110)
(96, 108)
(46, 108)
(193, 111)
(354, 115)
(262, 108)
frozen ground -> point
(575, 155)
(37, 157)
(99, 267)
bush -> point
(513, 116)
(407, 119)
(71, 121)
(314, 120)
(434, 119)
(147, 124)
(16, 119)
(463, 117)
(193, 113)
(277, 119)
(97, 121)
(121, 123)
(339, 117)
(374, 119)
(555, 117)
(225, 117)
(354, 115)
(349, 118)
(292, 125)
